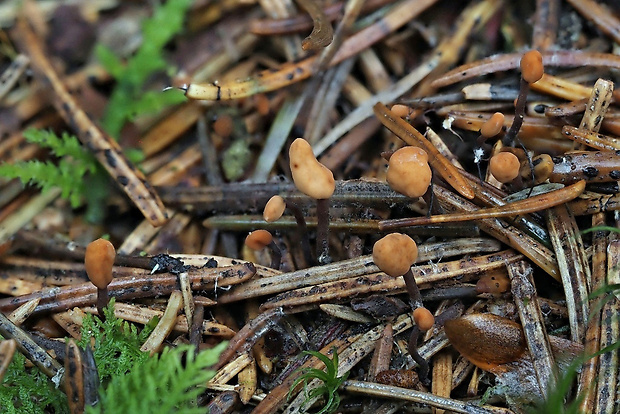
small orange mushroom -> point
(493, 125)
(310, 176)
(98, 261)
(223, 125)
(274, 208)
(395, 253)
(423, 318)
(408, 171)
(532, 68)
(259, 239)
(317, 181)
(504, 166)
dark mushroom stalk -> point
(317, 181)
(273, 211)
(259, 239)
(532, 70)
(394, 254)
(98, 261)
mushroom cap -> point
(408, 171)
(532, 68)
(395, 253)
(504, 166)
(223, 125)
(274, 208)
(98, 261)
(258, 239)
(493, 125)
(310, 176)
(423, 318)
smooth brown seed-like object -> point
(310, 176)
(504, 166)
(423, 318)
(532, 68)
(258, 239)
(486, 340)
(408, 171)
(98, 261)
(493, 125)
(274, 208)
(395, 253)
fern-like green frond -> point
(127, 99)
(28, 391)
(116, 345)
(68, 173)
(165, 383)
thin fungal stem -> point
(322, 231)
(509, 138)
(102, 302)
(412, 289)
(276, 255)
(412, 347)
(302, 229)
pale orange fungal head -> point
(408, 171)
(423, 318)
(274, 208)
(258, 239)
(395, 253)
(504, 166)
(98, 261)
(532, 68)
(310, 176)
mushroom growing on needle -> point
(317, 181)
(98, 261)
(394, 254)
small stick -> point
(391, 392)
(137, 285)
(164, 327)
(589, 371)
(31, 350)
(573, 267)
(11, 75)
(7, 351)
(322, 32)
(104, 148)
(524, 292)
(546, 21)
(509, 61)
(592, 139)
(528, 205)
(603, 18)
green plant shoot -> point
(129, 98)
(331, 382)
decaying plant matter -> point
(382, 205)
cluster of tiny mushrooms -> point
(409, 173)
